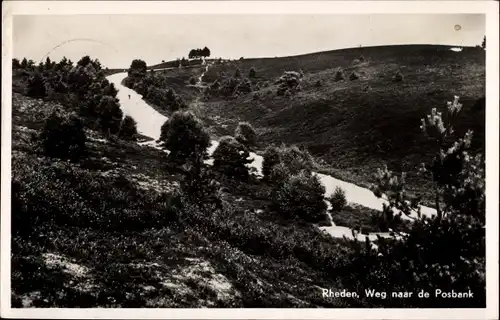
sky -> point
(118, 39)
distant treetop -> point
(199, 53)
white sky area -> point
(118, 39)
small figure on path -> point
(129, 96)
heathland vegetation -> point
(126, 225)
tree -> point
(16, 64)
(128, 128)
(231, 158)
(37, 85)
(138, 68)
(205, 52)
(192, 54)
(63, 137)
(292, 158)
(483, 44)
(300, 196)
(245, 134)
(24, 63)
(271, 158)
(338, 200)
(184, 135)
(110, 115)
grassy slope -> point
(132, 255)
(356, 126)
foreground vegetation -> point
(101, 221)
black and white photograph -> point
(249, 160)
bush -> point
(353, 76)
(128, 129)
(292, 158)
(251, 73)
(339, 75)
(318, 84)
(338, 200)
(237, 73)
(231, 158)
(245, 134)
(398, 77)
(244, 87)
(110, 115)
(37, 86)
(271, 158)
(192, 81)
(184, 135)
(138, 68)
(288, 82)
(300, 196)
(63, 137)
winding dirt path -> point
(149, 123)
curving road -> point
(149, 123)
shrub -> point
(228, 87)
(184, 135)
(245, 134)
(251, 73)
(361, 58)
(318, 84)
(192, 81)
(244, 86)
(237, 73)
(128, 129)
(292, 158)
(398, 77)
(300, 196)
(63, 137)
(37, 86)
(110, 115)
(353, 76)
(231, 158)
(271, 158)
(338, 200)
(288, 82)
(339, 75)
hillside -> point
(100, 219)
(356, 126)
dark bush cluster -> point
(230, 88)
(288, 83)
(290, 160)
(63, 137)
(81, 87)
(185, 137)
(300, 196)
(231, 158)
(154, 89)
(245, 134)
(339, 75)
(298, 193)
